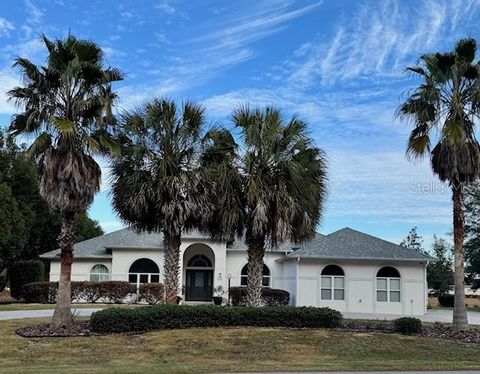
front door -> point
(199, 285)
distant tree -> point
(440, 273)
(413, 241)
(472, 230)
(445, 111)
(13, 233)
(86, 228)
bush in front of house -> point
(3, 282)
(446, 300)
(91, 292)
(151, 293)
(407, 325)
(270, 296)
(23, 272)
(159, 317)
(39, 292)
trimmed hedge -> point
(151, 293)
(270, 296)
(407, 325)
(46, 292)
(158, 317)
(446, 300)
(23, 272)
(3, 282)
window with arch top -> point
(388, 285)
(99, 273)
(199, 261)
(143, 270)
(265, 276)
(333, 283)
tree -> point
(440, 274)
(66, 105)
(13, 233)
(86, 228)
(157, 185)
(447, 103)
(271, 191)
(472, 231)
(413, 241)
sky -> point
(339, 65)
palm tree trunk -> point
(62, 317)
(171, 265)
(256, 251)
(460, 321)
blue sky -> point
(338, 64)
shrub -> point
(152, 293)
(446, 300)
(23, 272)
(270, 296)
(407, 325)
(114, 291)
(3, 282)
(166, 316)
(91, 292)
(40, 292)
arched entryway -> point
(199, 264)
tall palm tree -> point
(271, 188)
(444, 110)
(63, 104)
(156, 184)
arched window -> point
(99, 273)
(200, 261)
(143, 271)
(333, 283)
(265, 276)
(388, 285)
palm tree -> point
(447, 103)
(271, 190)
(64, 106)
(156, 184)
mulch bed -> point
(44, 330)
(441, 331)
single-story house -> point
(346, 270)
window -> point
(333, 283)
(199, 261)
(99, 273)
(265, 276)
(388, 285)
(143, 271)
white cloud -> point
(5, 27)
(8, 80)
(34, 13)
(109, 226)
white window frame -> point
(100, 275)
(268, 277)
(389, 289)
(332, 287)
(138, 275)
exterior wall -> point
(360, 287)
(122, 259)
(80, 269)
(290, 282)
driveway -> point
(433, 315)
(20, 314)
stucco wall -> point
(80, 269)
(360, 287)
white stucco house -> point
(346, 270)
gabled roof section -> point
(352, 244)
(125, 238)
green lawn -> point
(228, 350)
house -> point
(346, 270)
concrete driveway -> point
(20, 314)
(433, 315)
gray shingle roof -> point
(349, 243)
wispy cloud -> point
(5, 27)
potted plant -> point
(218, 293)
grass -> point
(229, 350)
